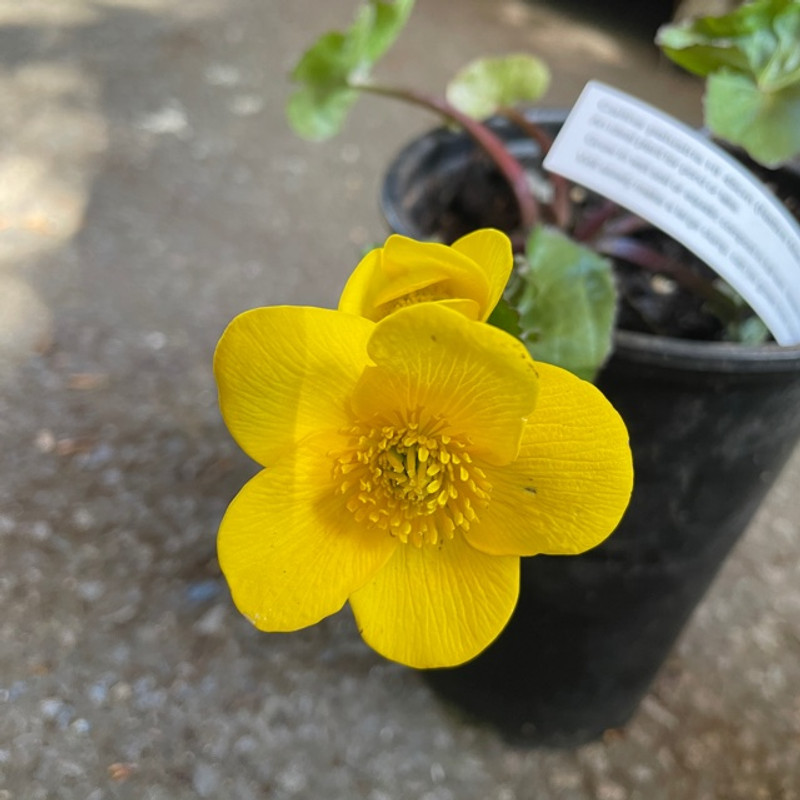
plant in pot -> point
(711, 403)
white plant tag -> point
(672, 176)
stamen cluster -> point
(417, 483)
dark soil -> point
(478, 196)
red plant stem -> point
(626, 224)
(610, 220)
(511, 169)
(642, 256)
(561, 206)
(594, 221)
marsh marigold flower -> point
(408, 464)
(468, 276)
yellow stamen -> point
(410, 480)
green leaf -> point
(782, 68)
(489, 84)
(331, 68)
(759, 39)
(386, 25)
(751, 331)
(505, 317)
(692, 50)
(751, 58)
(740, 321)
(318, 115)
(567, 303)
(766, 124)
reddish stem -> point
(561, 205)
(593, 221)
(642, 256)
(511, 169)
(626, 224)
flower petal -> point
(491, 250)
(406, 271)
(371, 279)
(284, 372)
(572, 481)
(289, 549)
(429, 359)
(437, 606)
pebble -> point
(245, 745)
(81, 726)
(121, 692)
(51, 707)
(91, 591)
(97, 693)
(155, 340)
(222, 74)
(293, 779)
(212, 622)
(45, 441)
(206, 780)
(100, 455)
(41, 531)
(246, 105)
(609, 790)
(202, 591)
(171, 118)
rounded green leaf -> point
(759, 39)
(765, 124)
(567, 303)
(318, 115)
(489, 84)
(328, 70)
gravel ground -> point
(150, 191)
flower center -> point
(430, 294)
(420, 486)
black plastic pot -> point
(711, 425)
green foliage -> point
(487, 85)
(751, 58)
(766, 124)
(751, 331)
(566, 300)
(741, 324)
(504, 315)
(328, 70)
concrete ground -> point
(149, 191)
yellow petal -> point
(284, 372)
(406, 271)
(467, 308)
(437, 606)
(370, 279)
(358, 295)
(572, 481)
(479, 380)
(289, 549)
(491, 250)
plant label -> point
(681, 182)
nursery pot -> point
(711, 425)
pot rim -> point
(704, 356)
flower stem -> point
(561, 206)
(511, 169)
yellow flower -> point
(468, 276)
(408, 465)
